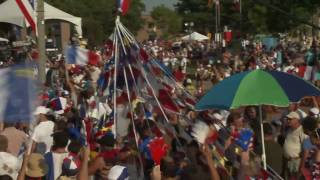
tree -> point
(98, 16)
(198, 12)
(258, 16)
(167, 20)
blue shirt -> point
(307, 145)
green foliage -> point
(167, 20)
(258, 16)
(197, 11)
(98, 16)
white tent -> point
(10, 13)
(195, 37)
(4, 39)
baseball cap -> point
(314, 111)
(41, 110)
(293, 115)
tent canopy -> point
(10, 13)
(4, 39)
(195, 37)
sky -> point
(150, 4)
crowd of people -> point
(68, 141)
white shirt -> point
(293, 143)
(9, 165)
(42, 135)
(57, 163)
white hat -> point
(66, 93)
(189, 81)
(41, 110)
(118, 173)
(293, 115)
(314, 111)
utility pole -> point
(41, 41)
(240, 9)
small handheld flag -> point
(81, 56)
(123, 6)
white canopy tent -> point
(10, 13)
(4, 39)
(195, 37)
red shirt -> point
(179, 75)
(301, 71)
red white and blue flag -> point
(81, 56)
(123, 6)
(32, 3)
(28, 13)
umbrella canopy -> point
(257, 87)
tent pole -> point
(41, 41)
(264, 160)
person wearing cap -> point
(71, 164)
(41, 136)
(293, 145)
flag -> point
(123, 6)
(58, 104)
(81, 56)
(200, 131)
(166, 101)
(18, 93)
(158, 149)
(144, 56)
(33, 3)
(28, 13)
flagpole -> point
(41, 41)
(240, 9)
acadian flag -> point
(17, 93)
(28, 13)
(123, 6)
(81, 56)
